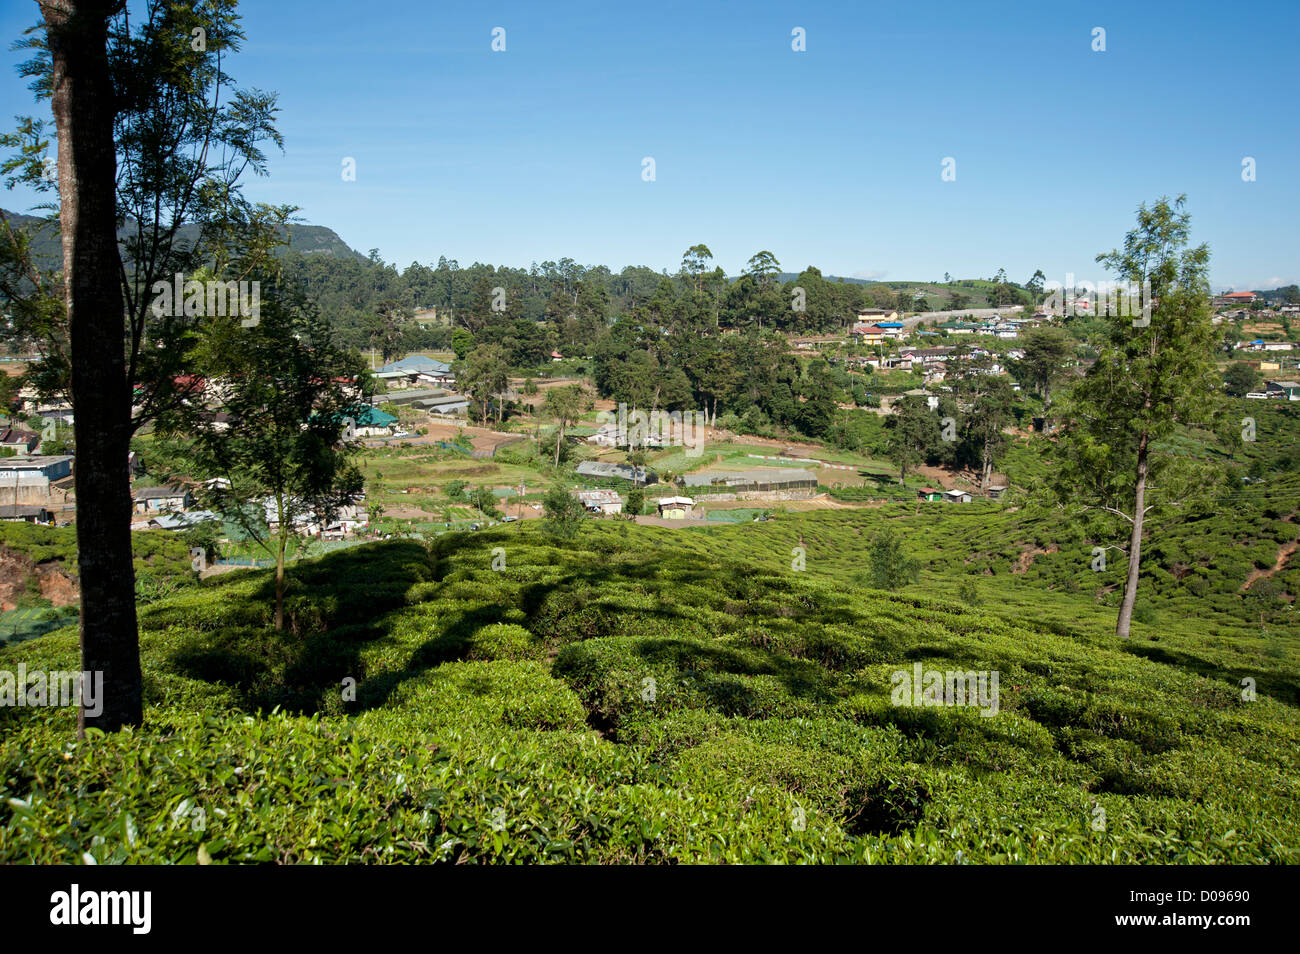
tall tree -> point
(913, 430)
(483, 374)
(695, 262)
(1153, 375)
(1045, 352)
(565, 405)
(764, 268)
(989, 414)
(84, 109)
(151, 136)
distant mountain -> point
(307, 239)
(791, 276)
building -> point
(930, 494)
(601, 501)
(1282, 390)
(181, 521)
(416, 369)
(53, 467)
(868, 315)
(371, 422)
(674, 508)
(606, 436)
(30, 480)
(347, 522)
(877, 333)
(957, 496)
(27, 513)
(18, 440)
(760, 480)
(1235, 298)
(996, 491)
(158, 499)
(449, 405)
(926, 355)
(607, 471)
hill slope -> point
(309, 239)
(649, 695)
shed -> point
(675, 508)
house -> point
(996, 491)
(601, 501)
(674, 508)
(958, 328)
(875, 334)
(868, 334)
(181, 521)
(926, 355)
(305, 523)
(18, 440)
(371, 422)
(1282, 390)
(158, 499)
(930, 494)
(417, 369)
(27, 513)
(556, 356)
(1236, 298)
(54, 467)
(866, 315)
(1277, 346)
(606, 436)
(347, 521)
(29, 480)
(957, 496)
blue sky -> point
(830, 157)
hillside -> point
(644, 695)
(308, 239)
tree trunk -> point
(281, 546)
(1135, 544)
(559, 436)
(84, 111)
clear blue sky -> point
(830, 157)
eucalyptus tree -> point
(153, 143)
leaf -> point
(204, 857)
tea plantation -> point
(641, 695)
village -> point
(673, 476)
